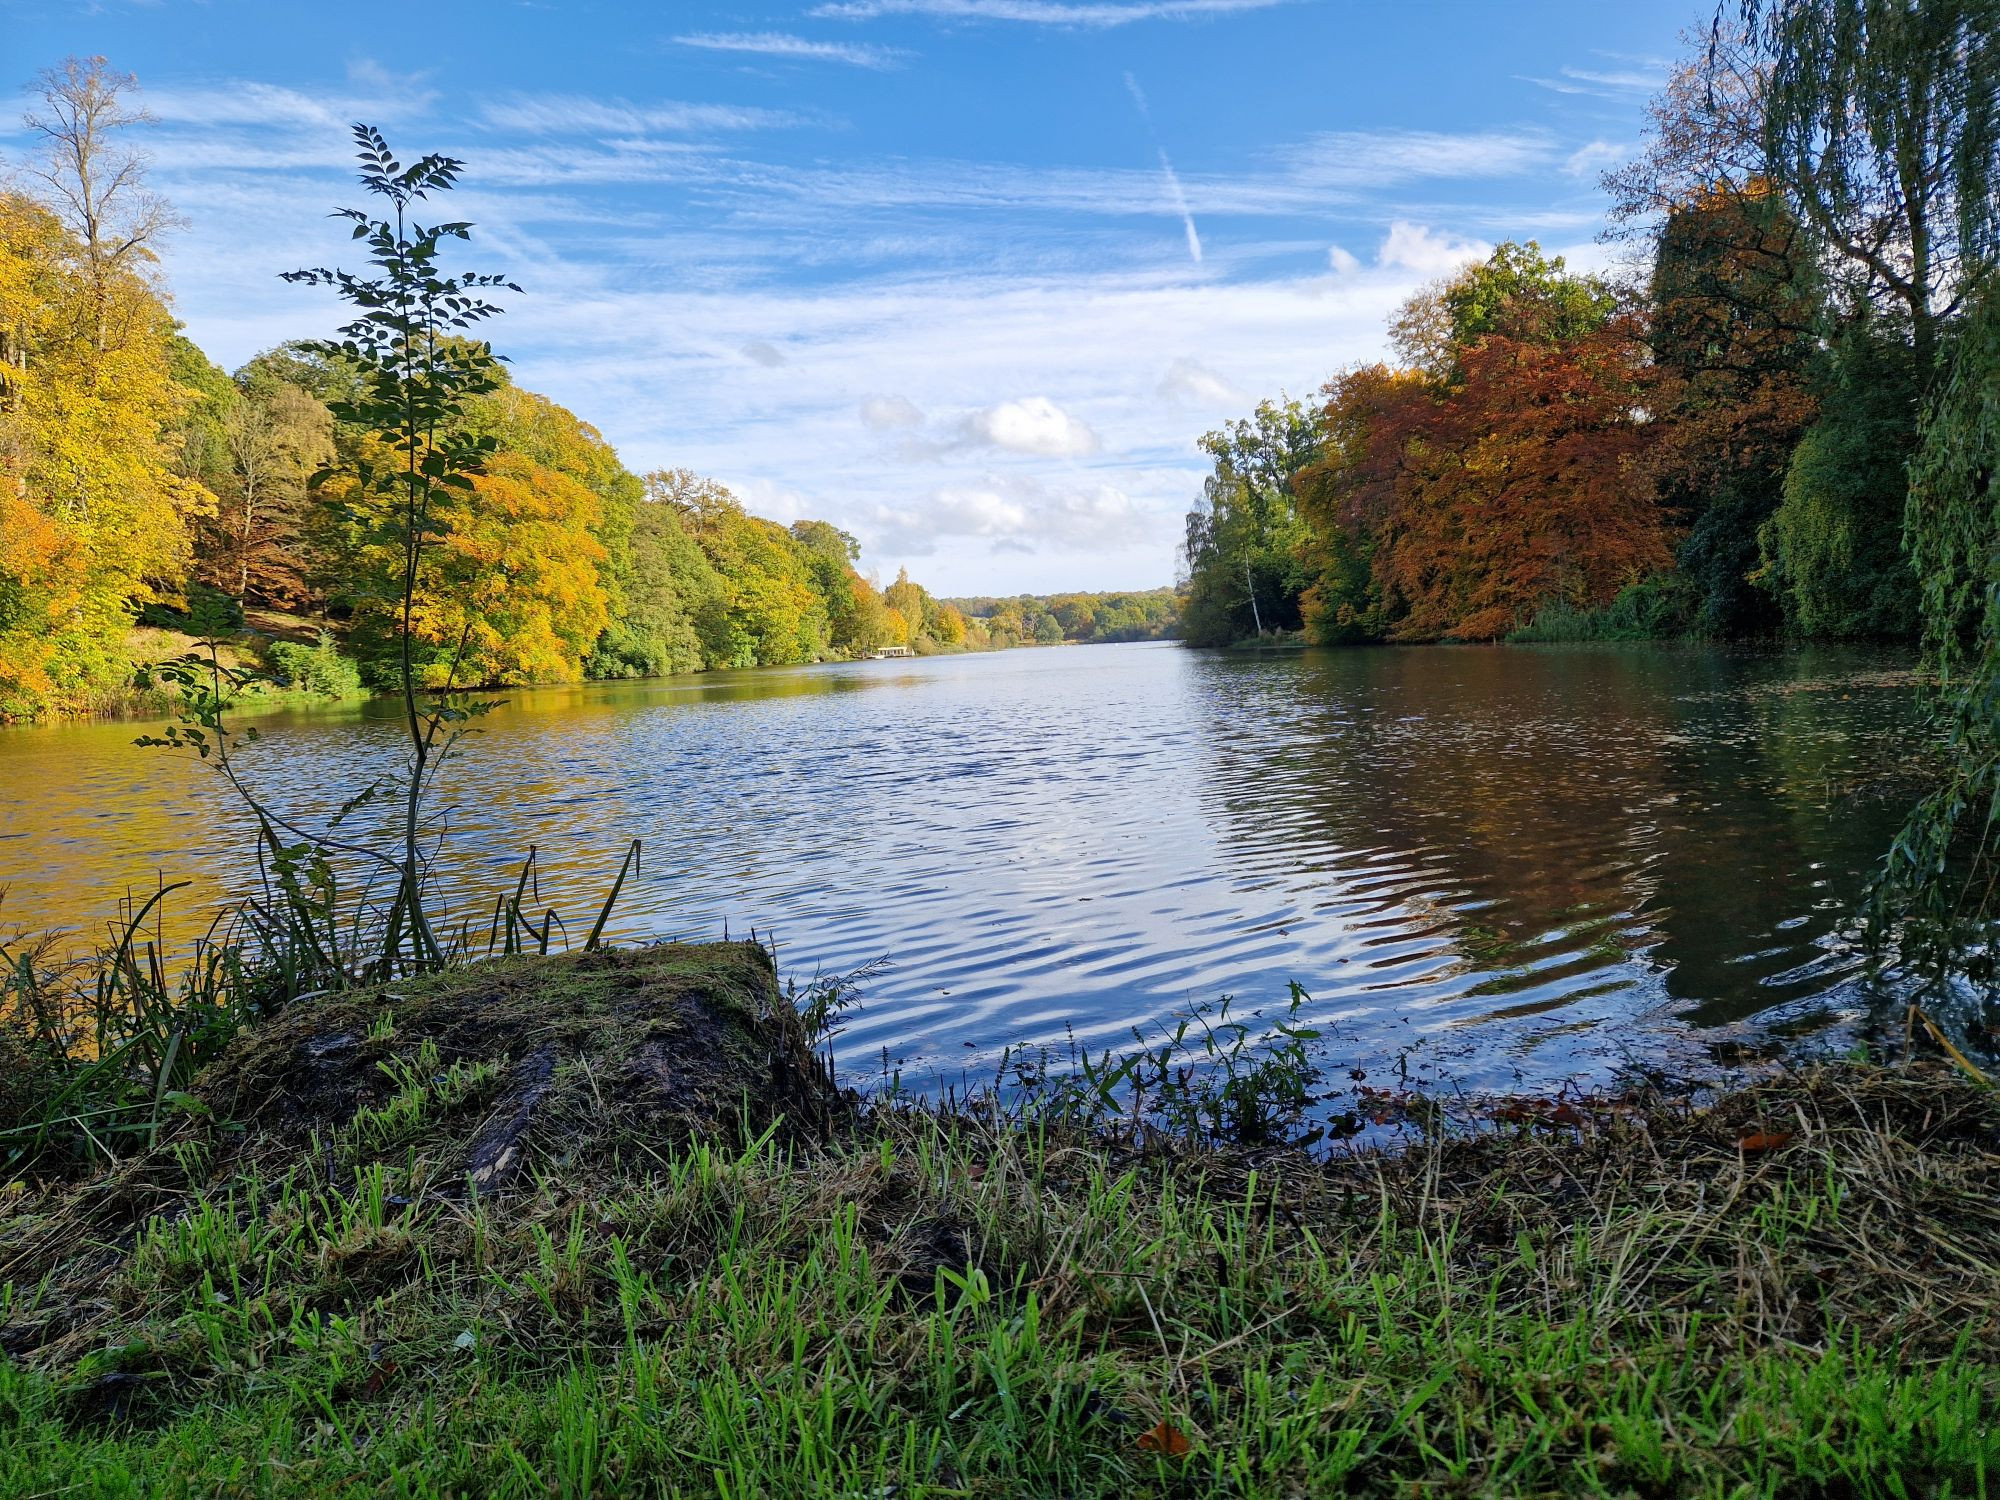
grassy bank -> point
(695, 1269)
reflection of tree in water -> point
(1546, 825)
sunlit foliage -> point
(94, 510)
(1244, 538)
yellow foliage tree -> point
(510, 589)
(93, 516)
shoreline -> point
(1790, 1286)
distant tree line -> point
(1050, 619)
(138, 480)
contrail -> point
(1167, 167)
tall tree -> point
(1516, 493)
(277, 437)
(95, 178)
(1882, 119)
(1732, 309)
(1241, 544)
(94, 507)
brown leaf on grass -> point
(1165, 1438)
(1763, 1140)
(378, 1378)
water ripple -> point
(1554, 858)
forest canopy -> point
(143, 485)
(1714, 444)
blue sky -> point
(966, 277)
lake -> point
(1512, 865)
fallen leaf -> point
(1165, 1438)
(379, 1377)
(1760, 1140)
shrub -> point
(318, 669)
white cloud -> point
(1014, 514)
(888, 413)
(1042, 12)
(1592, 158)
(1034, 425)
(1418, 248)
(579, 114)
(781, 44)
(1341, 260)
(1181, 207)
(758, 352)
(1190, 381)
(1624, 83)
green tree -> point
(774, 616)
(675, 614)
(853, 627)
(418, 375)
(1517, 292)
(1241, 547)
(1882, 120)
(1833, 547)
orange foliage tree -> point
(1516, 489)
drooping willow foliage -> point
(1935, 896)
(1882, 124)
(1881, 119)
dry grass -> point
(1790, 1290)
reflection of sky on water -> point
(1529, 862)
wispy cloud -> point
(1174, 190)
(1622, 83)
(576, 114)
(1191, 381)
(1042, 12)
(1593, 157)
(798, 48)
(888, 413)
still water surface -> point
(1526, 863)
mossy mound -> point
(593, 1066)
(583, 1061)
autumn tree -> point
(95, 180)
(275, 437)
(1516, 490)
(1348, 498)
(94, 508)
(909, 606)
(1732, 310)
(1241, 544)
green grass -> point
(972, 1305)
